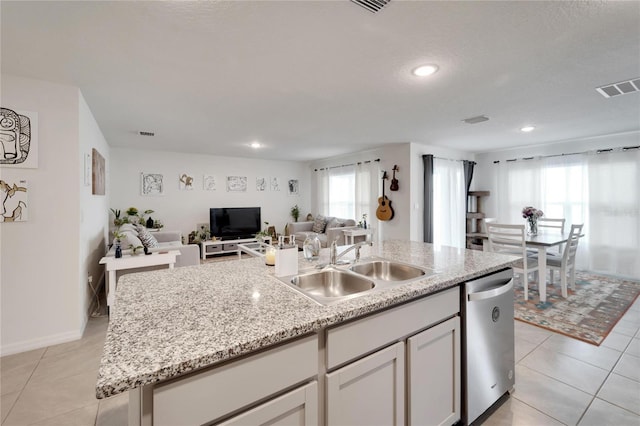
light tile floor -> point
(558, 381)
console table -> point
(349, 234)
(226, 246)
(128, 261)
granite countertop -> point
(169, 322)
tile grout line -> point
(25, 384)
(595, 396)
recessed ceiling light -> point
(255, 145)
(527, 129)
(425, 70)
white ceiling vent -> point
(622, 88)
(476, 119)
(373, 6)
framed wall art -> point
(209, 183)
(293, 187)
(261, 184)
(185, 182)
(151, 184)
(275, 184)
(14, 201)
(236, 183)
(97, 173)
(19, 142)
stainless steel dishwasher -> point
(488, 342)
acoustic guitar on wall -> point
(394, 181)
(384, 210)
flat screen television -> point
(231, 223)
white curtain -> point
(613, 212)
(322, 191)
(348, 191)
(598, 190)
(449, 203)
(366, 190)
(342, 188)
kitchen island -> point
(231, 336)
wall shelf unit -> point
(476, 233)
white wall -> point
(417, 182)
(93, 210)
(40, 298)
(182, 210)
(485, 175)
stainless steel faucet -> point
(333, 256)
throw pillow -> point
(130, 238)
(128, 227)
(148, 240)
(319, 224)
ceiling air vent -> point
(147, 134)
(622, 88)
(373, 6)
(476, 119)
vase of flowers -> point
(532, 214)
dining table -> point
(542, 242)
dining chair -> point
(545, 222)
(566, 263)
(510, 239)
(552, 224)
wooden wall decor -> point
(97, 173)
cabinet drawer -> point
(213, 248)
(209, 395)
(230, 246)
(358, 338)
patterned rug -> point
(588, 314)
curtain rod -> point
(447, 159)
(451, 159)
(593, 151)
(347, 165)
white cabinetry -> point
(433, 375)
(219, 392)
(296, 408)
(369, 391)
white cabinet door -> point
(296, 408)
(369, 391)
(433, 375)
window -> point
(599, 190)
(348, 192)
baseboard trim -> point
(42, 342)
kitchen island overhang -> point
(169, 323)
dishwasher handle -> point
(496, 291)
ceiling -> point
(315, 79)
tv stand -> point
(209, 248)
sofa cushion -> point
(169, 245)
(319, 224)
(334, 223)
(148, 240)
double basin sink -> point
(335, 284)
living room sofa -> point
(332, 230)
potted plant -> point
(264, 233)
(295, 212)
(134, 249)
(117, 241)
(116, 220)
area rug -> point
(588, 313)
